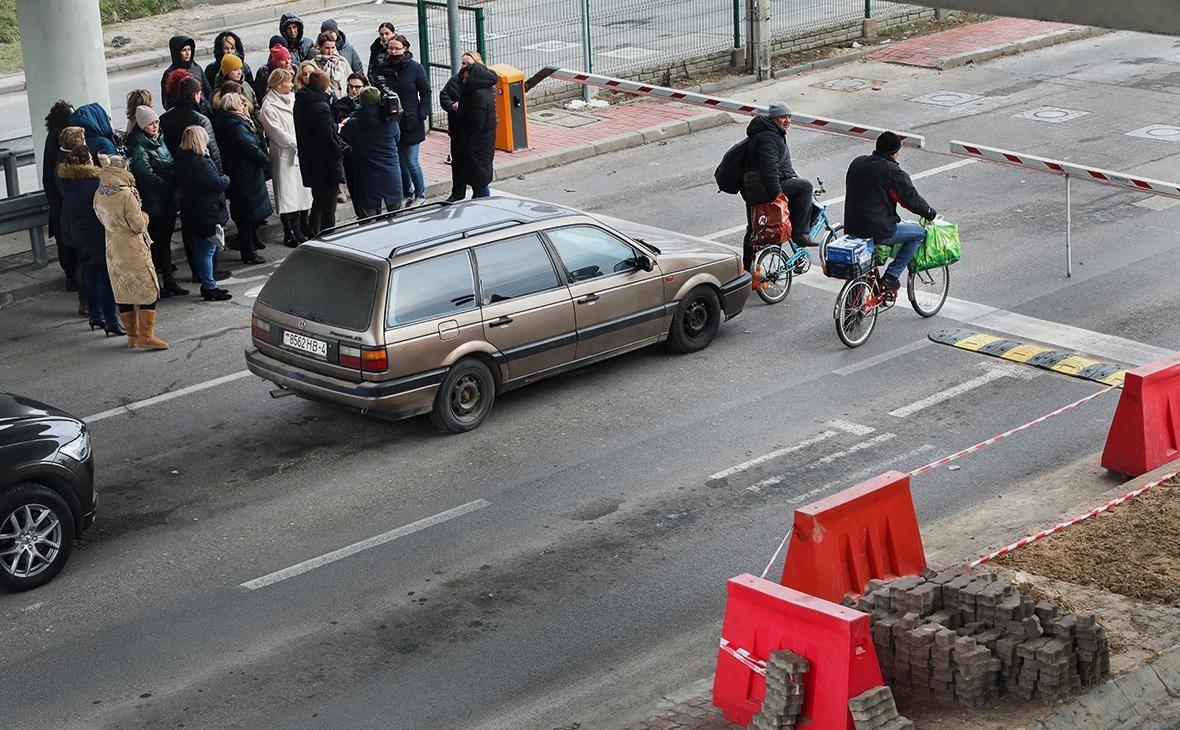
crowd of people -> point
(314, 120)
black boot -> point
(290, 222)
(303, 229)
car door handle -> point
(588, 299)
(501, 322)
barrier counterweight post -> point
(1068, 227)
(587, 49)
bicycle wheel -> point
(833, 234)
(927, 290)
(854, 322)
(776, 275)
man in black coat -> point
(875, 185)
(768, 153)
(321, 153)
(186, 113)
(183, 49)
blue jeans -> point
(905, 243)
(100, 299)
(204, 253)
(412, 177)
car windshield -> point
(320, 287)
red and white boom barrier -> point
(1069, 171)
(804, 121)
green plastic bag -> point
(881, 254)
(941, 247)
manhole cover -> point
(562, 118)
(630, 53)
(946, 98)
(549, 46)
(1159, 132)
(848, 83)
(1051, 114)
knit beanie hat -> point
(145, 115)
(279, 54)
(369, 96)
(230, 63)
(888, 143)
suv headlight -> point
(79, 448)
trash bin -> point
(511, 123)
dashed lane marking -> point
(855, 429)
(165, 397)
(994, 372)
(757, 487)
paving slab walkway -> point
(932, 51)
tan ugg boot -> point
(147, 331)
(131, 324)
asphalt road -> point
(572, 561)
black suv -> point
(46, 490)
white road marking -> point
(757, 487)
(839, 199)
(165, 397)
(992, 372)
(856, 367)
(356, 547)
(853, 428)
(858, 477)
(772, 455)
(252, 293)
(244, 280)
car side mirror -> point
(645, 262)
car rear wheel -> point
(465, 397)
(696, 320)
(36, 536)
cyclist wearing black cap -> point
(876, 184)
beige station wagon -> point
(437, 309)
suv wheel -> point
(36, 536)
(696, 320)
(465, 397)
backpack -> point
(733, 166)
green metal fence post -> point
(737, 23)
(424, 35)
(868, 8)
(481, 39)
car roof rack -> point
(387, 215)
(456, 236)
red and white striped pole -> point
(805, 121)
(1068, 170)
(1062, 525)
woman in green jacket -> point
(151, 164)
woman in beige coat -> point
(129, 254)
(277, 116)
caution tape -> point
(798, 119)
(1080, 518)
(1006, 434)
(744, 657)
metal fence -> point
(434, 48)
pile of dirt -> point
(1132, 550)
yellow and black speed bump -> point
(1046, 358)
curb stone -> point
(26, 282)
(1126, 700)
(1014, 47)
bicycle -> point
(776, 269)
(863, 298)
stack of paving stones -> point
(784, 691)
(966, 638)
(875, 709)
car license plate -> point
(311, 346)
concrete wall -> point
(1147, 16)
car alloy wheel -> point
(31, 538)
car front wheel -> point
(36, 536)
(696, 320)
(465, 397)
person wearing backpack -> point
(767, 172)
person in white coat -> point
(277, 117)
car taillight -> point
(260, 329)
(369, 359)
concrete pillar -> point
(62, 48)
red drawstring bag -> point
(772, 222)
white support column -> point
(62, 47)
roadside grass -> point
(111, 11)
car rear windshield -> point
(320, 287)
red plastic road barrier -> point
(761, 617)
(867, 531)
(1145, 432)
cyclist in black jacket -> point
(875, 185)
